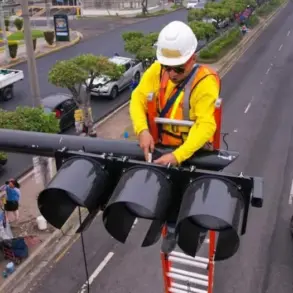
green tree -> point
(28, 119)
(202, 30)
(140, 45)
(195, 14)
(78, 75)
(127, 36)
(218, 13)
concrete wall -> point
(116, 4)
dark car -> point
(64, 106)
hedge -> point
(252, 21)
(219, 47)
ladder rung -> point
(187, 279)
(196, 258)
(188, 262)
(174, 290)
(190, 274)
(188, 289)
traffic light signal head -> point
(143, 192)
(213, 203)
(80, 181)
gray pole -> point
(33, 78)
(31, 60)
(3, 28)
(48, 6)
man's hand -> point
(166, 159)
(146, 142)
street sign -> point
(61, 26)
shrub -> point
(220, 46)
(49, 37)
(13, 47)
(18, 22)
(252, 21)
(7, 23)
(3, 156)
(127, 36)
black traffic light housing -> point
(197, 200)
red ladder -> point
(196, 274)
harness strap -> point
(187, 91)
(172, 100)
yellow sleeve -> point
(202, 107)
(149, 83)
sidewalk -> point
(42, 49)
(27, 225)
(124, 12)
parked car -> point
(192, 4)
(104, 86)
(8, 77)
(63, 106)
(221, 24)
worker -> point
(175, 87)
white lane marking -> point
(280, 48)
(134, 223)
(247, 108)
(267, 72)
(235, 130)
(97, 272)
(288, 34)
(291, 194)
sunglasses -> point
(177, 69)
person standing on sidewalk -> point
(12, 198)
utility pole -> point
(48, 6)
(3, 28)
(31, 60)
(42, 162)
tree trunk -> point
(88, 119)
(144, 6)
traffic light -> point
(131, 189)
(112, 176)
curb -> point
(72, 43)
(46, 249)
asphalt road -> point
(106, 43)
(257, 112)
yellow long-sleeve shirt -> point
(202, 108)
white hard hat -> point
(176, 44)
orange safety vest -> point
(173, 135)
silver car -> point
(104, 86)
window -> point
(67, 105)
(127, 66)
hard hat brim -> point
(173, 61)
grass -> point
(17, 36)
(159, 12)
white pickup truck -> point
(8, 77)
(104, 86)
